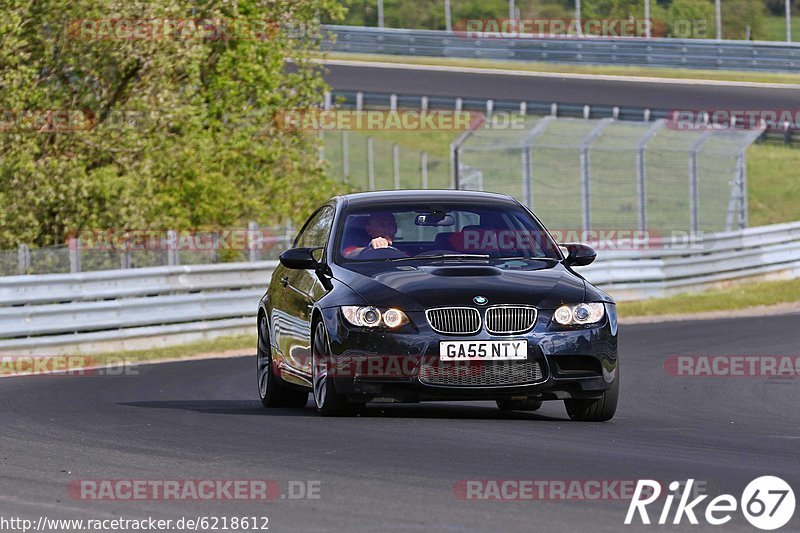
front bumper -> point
(372, 365)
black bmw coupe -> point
(408, 296)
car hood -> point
(415, 287)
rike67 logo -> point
(767, 503)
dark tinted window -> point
(315, 234)
(499, 231)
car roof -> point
(363, 199)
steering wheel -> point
(390, 252)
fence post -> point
(214, 256)
(74, 255)
(321, 146)
(345, 155)
(526, 175)
(125, 256)
(694, 207)
(424, 169)
(641, 172)
(172, 248)
(380, 13)
(742, 189)
(23, 258)
(396, 164)
(253, 242)
(289, 235)
(448, 16)
(370, 164)
(586, 199)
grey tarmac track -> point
(394, 467)
(593, 91)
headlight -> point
(571, 315)
(371, 317)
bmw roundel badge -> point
(481, 300)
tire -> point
(519, 405)
(327, 401)
(270, 390)
(598, 410)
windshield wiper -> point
(529, 258)
(442, 256)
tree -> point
(113, 123)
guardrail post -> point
(523, 108)
(321, 146)
(554, 109)
(424, 170)
(74, 255)
(23, 258)
(326, 100)
(254, 242)
(393, 102)
(459, 104)
(396, 164)
(647, 115)
(423, 103)
(359, 101)
(489, 108)
(172, 248)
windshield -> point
(440, 232)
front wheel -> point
(270, 390)
(600, 409)
(326, 399)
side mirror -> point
(299, 259)
(579, 254)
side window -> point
(315, 234)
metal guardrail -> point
(655, 52)
(127, 309)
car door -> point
(300, 290)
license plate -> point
(512, 350)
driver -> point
(381, 226)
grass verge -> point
(740, 297)
(213, 346)
(558, 68)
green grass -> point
(774, 29)
(696, 74)
(221, 344)
(737, 297)
(132, 357)
(773, 186)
